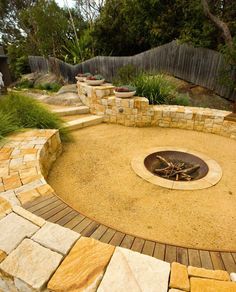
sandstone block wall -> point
(136, 112)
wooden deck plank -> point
(127, 241)
(98, 233)
(59, 215)
(234, 256)
(148, 247)
(90, 229)
(37, 201)
(217, 260)
(67, 218)
(53, 212)
(228, 261)
(170, 254)
(138, 244)
(159, 251)
(117, 238)
(75, 221)
(194, 258)
(82, 225)
(42, 204)
(47, 208)
(182, 256)
(107, 236)
(206, 259)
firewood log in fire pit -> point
(175, 169)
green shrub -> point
(25, 83)
(29, 113)
(125, 75)
(180, 99)
(159, 90)
(53, 87)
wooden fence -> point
(197, 65)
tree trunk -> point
(218, 23)
(223, 27)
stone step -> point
(67, 119)
(69, 111)
(83, 122)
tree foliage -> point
(46, 26)
(127, 27)
(110, 27)
(36, 27)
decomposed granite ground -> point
(95, 177)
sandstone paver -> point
(45, 190)
(31, 263)
(179, 277)
(13, 229)
(2, 255)
(205, 273)
(83, 268)
(6, 285)
(132, 271)
(29, 216)
(233, 277)
(5, 207)
(10, 196)
(56, 237)
(11, 182)
(28, 196)
(210, 285)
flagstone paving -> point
(13, 229)
(56, 238)
(130, 271)
(31, 263)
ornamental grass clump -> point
(7, 123)
(158, 90)
(25, 112)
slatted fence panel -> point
(197, 65)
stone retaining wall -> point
(36, 255)
(25, 160)
(137, 112)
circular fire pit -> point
(176, 165)
(176, 168)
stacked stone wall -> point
(137, 112)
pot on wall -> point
(126, 94)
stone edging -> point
(212, 178)
(36, 255)
(136, 112)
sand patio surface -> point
(94, 176)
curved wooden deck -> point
(52, 209)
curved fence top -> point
(200, 66)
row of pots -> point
(125, 91)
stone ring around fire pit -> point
(192, 170)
